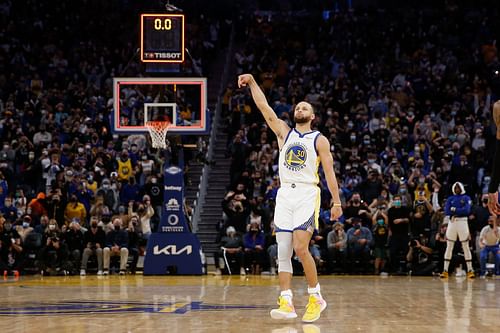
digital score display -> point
(162, 38)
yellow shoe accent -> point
(444, 275)
(285, 311)
(313, 309)
(471, 275)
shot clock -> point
(162, 38)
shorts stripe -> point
(276, 229)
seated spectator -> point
(74, 238)
(94, 241)
(44, 222)
(488, 243)
(231, 248)
(74, 209)
(11, 251)
(9, 212)
(116, 245)
(337, 246)
(419, 257)
(54, 257)
(359, 240)
(253, 243)
(24, 228)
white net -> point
(158, 131)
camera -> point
(413, 243)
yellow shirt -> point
(124, 169)
(72, 212)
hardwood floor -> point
(242, 304)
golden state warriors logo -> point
(296, 157)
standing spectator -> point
(422, 211)
(399, 219)
(419, 257)
(116, 245)
(380, 239)
(356, 208)
(94, 240)
(56, 207)
(478, 219)
(236, 209)
(124, 167)
(134, 236)
(11, 251)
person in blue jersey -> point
(298, 198)
(457, 209)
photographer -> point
(419, 257)
(235, 207)
(54, 257)
(356, 208)
(422, 211)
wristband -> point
(337, 205)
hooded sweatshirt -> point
(460, 202)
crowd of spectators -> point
(70, 189)
(405, 98)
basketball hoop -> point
(158, 131)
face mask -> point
(106, 186)
(52, 226)
(491, 226)
(26, 225)
(380, 222)
(254, 231)
(485, 201)
(366, 142)
(356, 201)
(8, 204)
(7, 226)
(397, 203)
(154, 180)
(117, 228)
(357, 227)
(353, 138)
(403, 191)
(94, 225)
(80, 150)
(371, 161)
(453, 113)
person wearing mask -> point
(359, 240)
(380, 231)
(134, 236)
(11, 251)
(54, 257)
(124, 167)
(478, 219)
(422, 211)
(419, 257)
(357, 208)
(337, 246)
(253, 243)
(399, 219)
(488, 243)
(231, 249)
(116, 245)
(457, 211)
(94, 240)
(74, 210)
(75, 241)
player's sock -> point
(446, 265)
(287, 294)
(469, 266)
(315, 290)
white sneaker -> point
(106, 272)
(99, 272)
(82, 272)
(242, 271)
(218, 271)
(273, 270)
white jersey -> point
(299, 160)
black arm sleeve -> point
(495, 173)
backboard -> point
(183, 101)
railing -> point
(202, 187)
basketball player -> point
(298, 199)
(493, 204)
(457, 210)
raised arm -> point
(279, 127)
(323, 147)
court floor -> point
(241, 304)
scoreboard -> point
(162, 38)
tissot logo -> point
(171, 250)
(173, 188)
